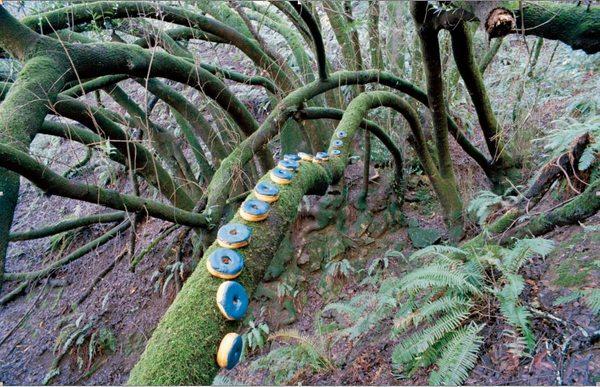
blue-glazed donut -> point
(291, 157)
(337, 143)
(232, 300)
(254, 210)
(225, 263)
(305, 156)
(230, 350)
(336, 153)
(342, 134)
(234, 235)
(281, 176)
(289, 165)
(321, 157)
(266, 192)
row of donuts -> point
(227, 263)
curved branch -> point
(315, 32)
(311, 113)
(54, 184)
(81, 135)
(80, 252)
(82, 13)
(142, 160)
(66, 225)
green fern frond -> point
(481, 205)
(573, 296)
(444, 304)
(458, 357)
(518, 317)
(524, 249)
(437, 250)
(592, 299)
(437, 276)
(419, 342)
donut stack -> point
(227, 262)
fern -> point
(285, 362)
(481, 205)
(523, 250)
(458, 357)
(437, 275)
(437, 250)
(592, 299)
(420, 341)
(517, 316)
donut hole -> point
(233, 231)
(236, 301)
(226, 260)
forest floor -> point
(128, 305)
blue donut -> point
(234, 235)
(266, 189)
(336, 153)
(291, 157)
(337, 143)
(232, 300)
(254, 210)
(289, 165)
(305, 156)
(281, 176)
(322, 155)
(342, 134)
(230, 350)
(225, 263)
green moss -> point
(183, 347)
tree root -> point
(33, 304)
(99, 278)
(138, 258)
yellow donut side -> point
(279, 180)
(232, 245)
(266, 198)
(218, 274)
(251, 217)
(306, 157)
(224, 348)
(220, 300)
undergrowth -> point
(441, 309)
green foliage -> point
(436, 307)
(560, 140)
(256, 337)
(338, 271)
(458, 356)
(303, 353)
(481, 206)
(422, 237)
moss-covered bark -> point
(576, 26)
(66, 225)
(21, 163)
(447, 187)
(104, 10)
(502, 166)
(183, 347)
(25, 106)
